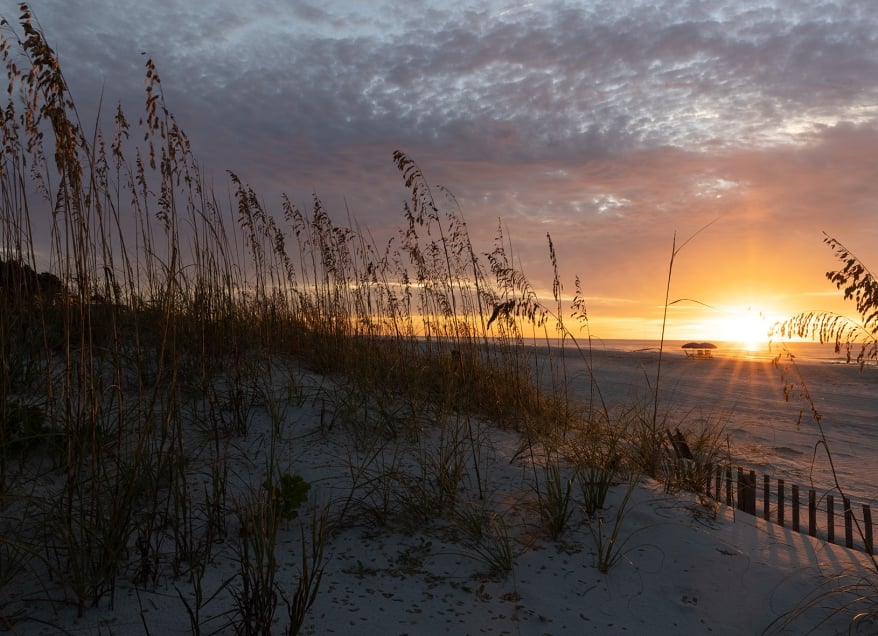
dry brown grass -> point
(164, 321)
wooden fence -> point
(740, 490)
(785, 504)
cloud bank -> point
(610, 128)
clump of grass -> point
(596, 450)
(255, 593)
(556, 509)
(850, 591)
(709, 448)
(610, 546)
(487, 539)
(313, 564)
(594, 485)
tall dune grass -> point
(165, 319)
(160, 311)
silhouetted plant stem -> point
(658, 370)
(674, 251)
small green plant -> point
(287, 494)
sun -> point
(744, 326)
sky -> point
(620, 128)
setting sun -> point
(745, 326)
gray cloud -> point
(544, 81)
(611, 124)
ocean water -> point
(764, 407)
(811, 351)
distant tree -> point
(857, 338)
(19, 282)
(50, 288)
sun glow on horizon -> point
(744, 326)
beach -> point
(676, 562)
(309, 318)
(743, 392)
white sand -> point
(767, 433)
(681, 569)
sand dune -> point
(682, 565)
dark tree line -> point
(19, 282)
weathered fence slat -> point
(812, 513)
(795, 505)
(848, 523)
(747, 491)
(867, 521)
(729, 486)
(830, 518)
(751, 493)
(766, 497)
(780, 502)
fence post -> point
(751, 490)
(746, 502)
(728, 485)
(830, 518)
(812, 513)
(848, 523)
(780, 502)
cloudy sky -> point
(610, 125)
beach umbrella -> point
(699, 345)
(702, 349)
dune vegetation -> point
(164, 320)
(150, 321)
